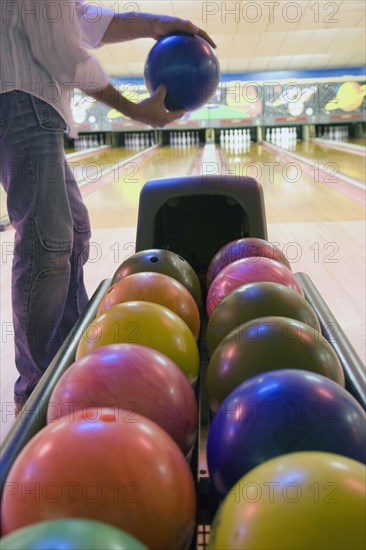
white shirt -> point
(43, 50)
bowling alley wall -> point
(247, 101)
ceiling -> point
(255, 35)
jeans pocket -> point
(47, 116)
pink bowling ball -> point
(249, 270)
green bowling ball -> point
(266, 344)
(70, 534)
(254, 300)
(162, 261)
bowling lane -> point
(87, 168)
(292, 195)
(341, 161)
(320, 230)
(358, 141)
(90, 168)
(115, 205)
(3, 208)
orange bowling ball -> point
(147, 324)
(109, 465)
(134, 377)
(159, 289)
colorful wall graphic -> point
(242, 104)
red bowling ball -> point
(249, 270)
(106, 466)
(134, 377)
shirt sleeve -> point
(55, 38)
(94, 21)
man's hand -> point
(150, 111)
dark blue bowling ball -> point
(281, 412)
(187, 65)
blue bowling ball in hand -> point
(187, 65)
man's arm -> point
(94, 21)
(56, 45)
(128, 26)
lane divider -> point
(341, 146)
(87, 152)
(87, 187)
(354, 189)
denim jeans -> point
(52, 233)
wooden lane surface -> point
(3, 208)
(292, 195)
(113, 209)
(115, 205)
(358, 141)
(340, 161)
(90, 168)
(321, 231)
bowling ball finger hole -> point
(154, 259)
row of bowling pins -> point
(236, 147)
(237, 136)
(283, 137)
(183, 139)
(337, 133)
(139, 140)
(88, 141)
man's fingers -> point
(192, 28)
(160, 93)
(176, 25)
(173, 115)
(204, 35)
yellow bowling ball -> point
(148, 286)
(148, 324)
(298, 501)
